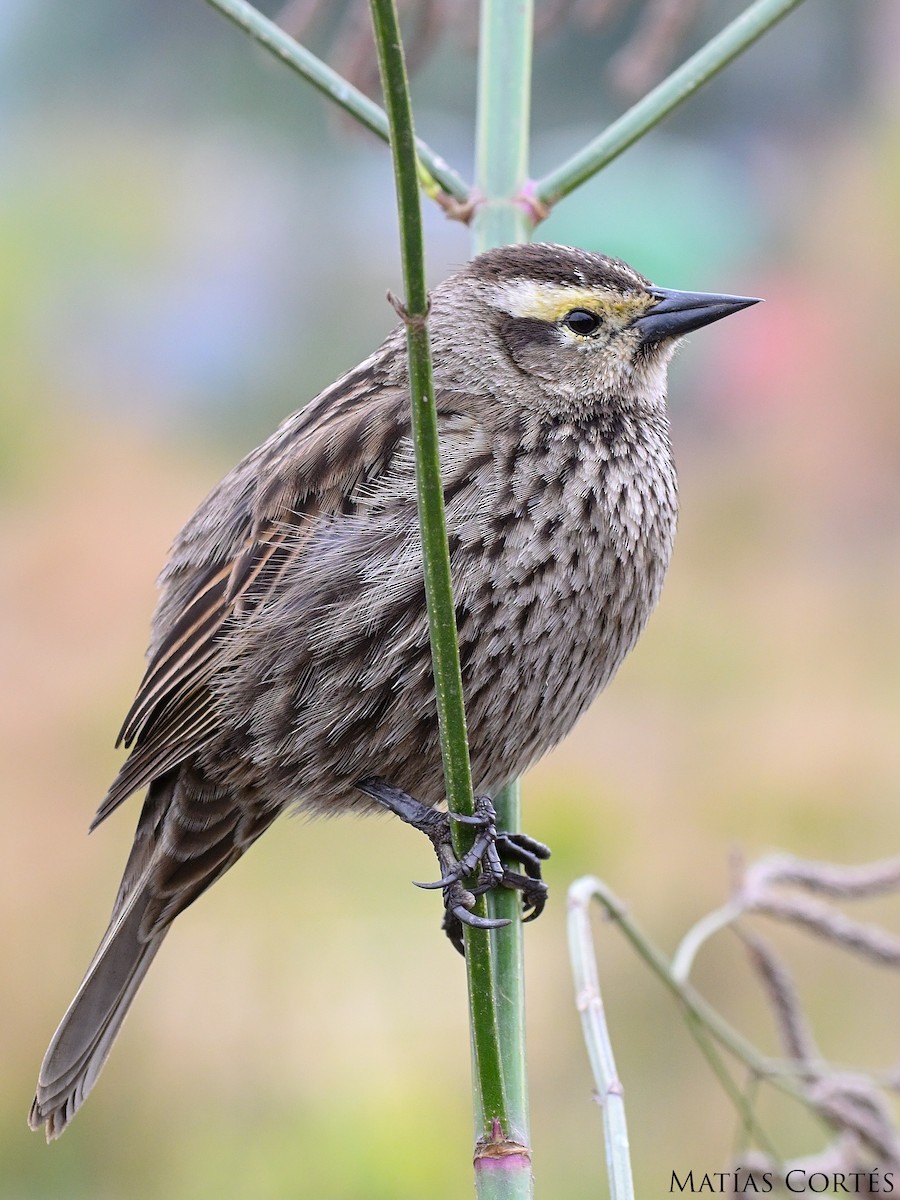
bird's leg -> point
(484, 857)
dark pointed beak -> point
(678, 313)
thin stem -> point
(436, 555)
(712, 923)
(742, 1103)
(590, 1005)
(434, 173)
(589, 1002)
(648, 112)
(773, 1070)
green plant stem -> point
(648, 112)
(432, 520)
(508, 980)
(740, 1099)
(502, 135)
(434, 173)
(704, 1024)
(502, 131)
(775, 1071)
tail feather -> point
(189, 833)
(86, 1033)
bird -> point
(289, 664)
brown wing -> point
(184, 658)
(305, 471)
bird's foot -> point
(484, 860)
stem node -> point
(415, 321)
(535, 209)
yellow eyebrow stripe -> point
(552, 301)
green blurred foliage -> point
(190, 248)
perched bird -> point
(289, 659)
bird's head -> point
(581, 326)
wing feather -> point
(181, 654)
(273, 502)
(177, 735)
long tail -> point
(87, 1031)
(189, 833)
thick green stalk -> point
(648, 112)
(504, 94)
(503, 123)
(436, 555)
(434, 174)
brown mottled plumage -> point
(290, 655)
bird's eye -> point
(582, 322)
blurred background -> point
(191, 247)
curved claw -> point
(486, 863)
(438, 883)
(534, 901)
(464, 819)
(470, 918)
